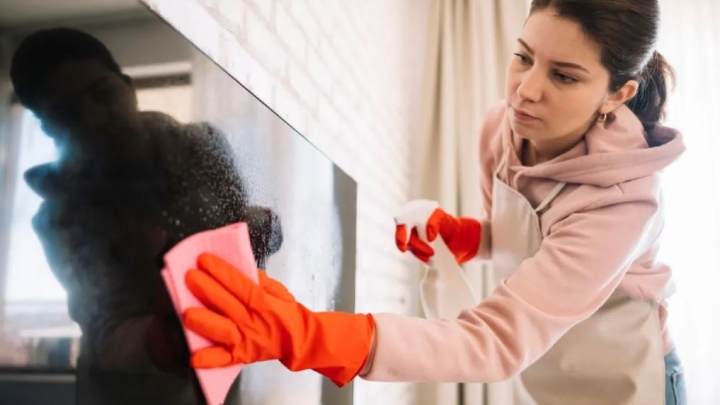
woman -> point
(570, 164)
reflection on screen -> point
(118, 150)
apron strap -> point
(555, 191)
(499, 168)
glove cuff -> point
(337, 345)
(465, 243)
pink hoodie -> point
(600, 234)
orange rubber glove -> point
(461, 235)
(251, 323)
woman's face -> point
(556, 84)
(82, 100)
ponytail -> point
(651, 99)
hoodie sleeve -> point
(578, 266)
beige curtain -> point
(469, 44)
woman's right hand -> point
(251, 323)
(461, 235)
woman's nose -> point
(531, 86)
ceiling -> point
(26, 12)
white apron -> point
(614, 357)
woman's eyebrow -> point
(569, 65)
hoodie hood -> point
(612, 152)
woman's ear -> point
(618, 98)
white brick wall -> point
(346, 74)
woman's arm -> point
(576, 269)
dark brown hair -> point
(626, 31)
(43, 51)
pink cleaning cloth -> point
(232, 243)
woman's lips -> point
(524, 116)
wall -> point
(345, 74)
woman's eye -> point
(524, 60)
(564, 78)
